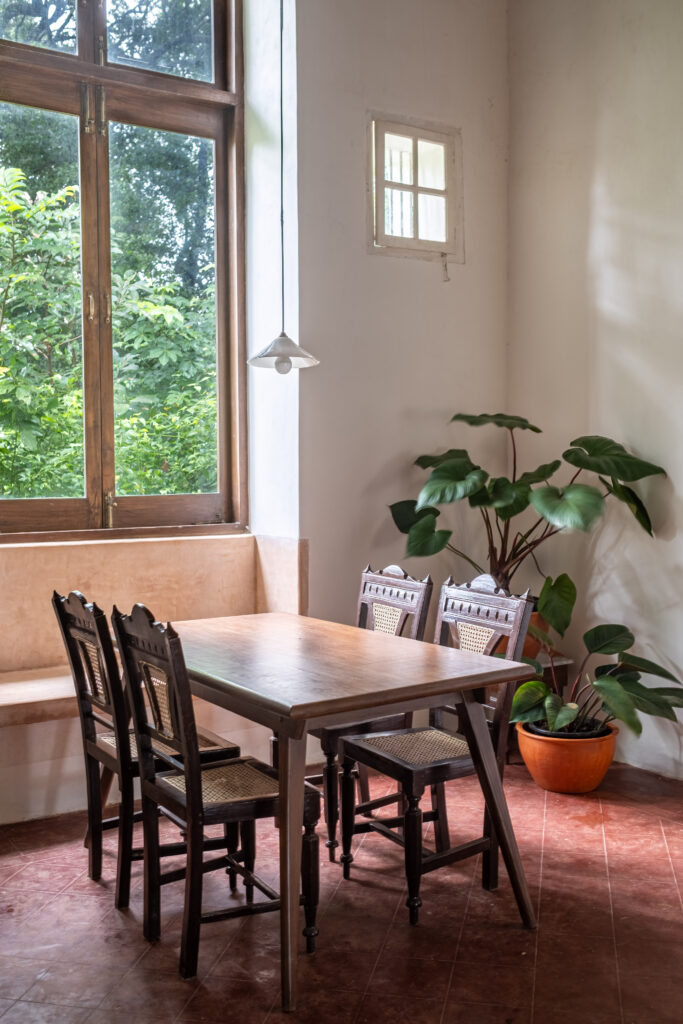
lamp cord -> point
(282, 170)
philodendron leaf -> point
(608, 639)
(651, 668)
(536, 665)
(670, 693)
(602, 455)
(619, 703)
(648, 701)
(427, 461)
(575, 507)
(544, 472)
(405, 515)
(498, 419)
(551, 706)
(520, 501)
(424, 539)
(451, 481)
(566, 714)
(480, 498)
(539, 634)
(631, 499)
(556, 602)
(529, 697)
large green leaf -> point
(610, 638)
(405, 514)
(674, 696)
(575, 507)
(566, 714)
(480, 498)
(427, 461)
(527, 697)
(498, 419)
(556, 602)
(519, 501)
(631, 500)
(424, 539)
(603, 455)
(648, 701)
(451, 481)
(551, 706)
(544, 472)
(630, 661)
(619, 703)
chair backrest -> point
(94, 668)
(391, 601)
(160, 696)
(476, 617)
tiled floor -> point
(606, 872)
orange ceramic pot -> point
(567, 765)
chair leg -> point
(348, 814)
(105, 782)
(274, 751)
(248, 836)
(125, 845)
(192, 912)
(151, 926)
(92, 776)
(413, 855)
(489, 865)
(331, 800)
(364, 786)
(441, 834)
(310, 883)
(231, 830)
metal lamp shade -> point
(283, 354)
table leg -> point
(479, 739)
(292, 769)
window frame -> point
(379, 242)
(34, 76)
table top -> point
(301, 668)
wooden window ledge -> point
(38, 695)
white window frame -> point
(392, 245)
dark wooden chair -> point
(389, 601)
(475, 617)
(109, 744)
(233, 793)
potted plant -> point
(567, 739)
(501, 500)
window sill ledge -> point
(40, 695)
(128, 533)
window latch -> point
(109, 505)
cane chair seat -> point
(230, 782)
(475, 617)
(419, 746)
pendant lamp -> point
(283, 354)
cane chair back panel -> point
(156, 677)
(391, 601)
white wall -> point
(596, 263)
(400, 350)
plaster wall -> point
(595, 265)
(400, 350)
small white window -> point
(416, 190)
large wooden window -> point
(121, 380)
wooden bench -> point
(37, 695)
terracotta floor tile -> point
(167, 993)
(410, 977)
(321, 1005)
(44, 1013)
(485, 1013)
(652, 996)
(511, 983)
(387, 1009)
(218, 999)
(73, 984)
(577, 988)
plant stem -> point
(461, 554)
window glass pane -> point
(398, 159)
(171, 36)
(48, 23)
(431, 212)
(41, 345)
(398, 213)
(431, 164)
(163, 307)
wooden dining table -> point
(292, 674)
